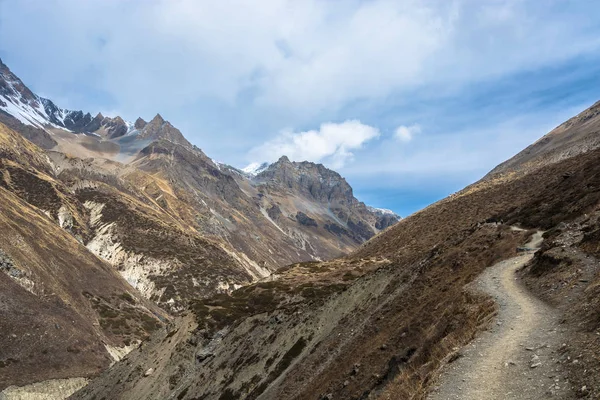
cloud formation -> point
(332, 143)
(405, 133)
(299, 58)
(232, 73)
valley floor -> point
(517, 357)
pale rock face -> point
(256, 271)
(135, 268)
(117, 353)
(65, 218)
(302, 240)
(15, 273)
(138, 268)
(54, 389)
(228, 287)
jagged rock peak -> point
(158, 119)
(4, 67)
(284, 159)
(159, 129)
(99, 116)
(140, 123)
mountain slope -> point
(116, 227)
(224, 203)
(318, 195)
(159, 252)
(61, 306)
(380, 322)
(577, 135)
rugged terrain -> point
(576, 136)
(108, 229)
(114, 233)
(384, 321)
(143, 184)
(61, 306)
(290, 212)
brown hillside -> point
(60, 303)
(378, 323)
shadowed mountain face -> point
(380, 322)
(344, 214)
(110, 228)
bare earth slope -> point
(577, 135)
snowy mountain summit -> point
(254, 169)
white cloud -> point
(332, 143)
(231, 73)
(468, 154)
(406, 133)
(303, 58)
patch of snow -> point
(217, 163)
(27, 114)
(33, 111)
(24, 113)
(255, 168)
(381, 211)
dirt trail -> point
(516, 358)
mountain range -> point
(136, 267)
(386, 320)
(140, 201)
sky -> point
(410, 100)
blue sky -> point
(410, 100)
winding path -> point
(516, 358)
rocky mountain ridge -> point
(147, 145)
(110, 240)
(165, 224)
(578, 135)
(382, 321)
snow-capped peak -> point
(24, 105)
(381, 211)
(254, 169)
